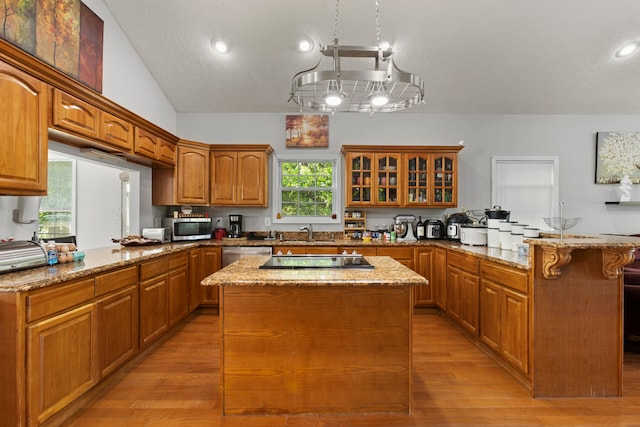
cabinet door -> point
(440, 277)
(146, 144)
(490, 318)
(154, 311)
(23, 126)
(454, 277)
(72, 114)
(444, 177)
(360, 179)
(195, 277)
(117, 329)
(515, 329)
(223, 177)
(251, 178)
(116, 132)
(193, 175)
(178, 289)
(424, 266)
(387, 179)
(417, 174)
(167, 152)
(211, 262)
(61, 361)
(469, 302)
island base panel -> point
(578, 347)
(298, 349)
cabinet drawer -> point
(109, 282)
(362, 250)
(74, 115)
(155, 268)
(505, 276)
(179, 260)
(464, 262)
(396, 253)
(47, 302)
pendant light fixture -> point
(382, 87)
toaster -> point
(158, 233)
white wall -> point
(571, 137)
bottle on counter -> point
(52, 253)
(420, 229)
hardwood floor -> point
(455, 384)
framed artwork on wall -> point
(617, 155)
(65, 34)
(307, 131)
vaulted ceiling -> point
(475, 56)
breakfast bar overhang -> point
(298, 341)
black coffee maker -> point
(235, 225)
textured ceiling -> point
(475, 56)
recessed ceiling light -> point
(628, 49)
(220, 46)
(305, 45)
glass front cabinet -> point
(412, 176)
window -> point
(56, 217)
(306, 190)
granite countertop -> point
(95, 261)
(245, 272)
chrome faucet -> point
(309, 229)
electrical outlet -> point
(267, 221)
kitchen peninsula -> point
(315, 340)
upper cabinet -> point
(23, 126)
(239, 175)
(401, 176)
(116, 132)
(188, 182)
(71, 114)
(154, 147)
(373, 179)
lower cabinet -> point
(154, 311)
(211, 262)
(439, 285)
(504, 313)
(462, 289)
(195, 273)
(424, 265)
(61, 361)
(178, 287)
(117, 328)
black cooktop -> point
(315, 261)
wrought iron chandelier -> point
(383, 88)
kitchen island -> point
(315, 340)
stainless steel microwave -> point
(188, 228)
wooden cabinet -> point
(178, 287)
(300, 250)
(239, 175)
(401, 176)
(23, 126)
(372, 179)
(71, 114)
(61, 347)
(188, 182)
(431, 178)
(424, 265)
(462, 289)
(504, 313)
(164, 295)
(154, 147)
(117, 309)
(211, 262)
(116, 132)
(195, 277)
(439, 284)
(404, 255)
(154, 304)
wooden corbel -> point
(553, 259)
(613, 261)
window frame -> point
(336, 188)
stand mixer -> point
(404, 228)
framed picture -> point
(307, 131)
(66, 34)
(617, 155)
